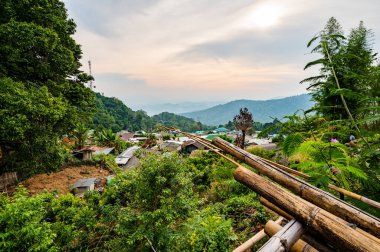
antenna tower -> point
(89, 66)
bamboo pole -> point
(275, 209)
(316, 243)
(315, 195)
(255, 239)
(271, 228)
(287, 169)
(285, 238)
(331, 186)
(355, 196)
(332, 228)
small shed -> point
(84, 185)
(190, 146)
(84, 154)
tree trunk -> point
(243, 139)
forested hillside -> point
(263, 111)
(112, 113)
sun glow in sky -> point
(153, 51)
(263, 16)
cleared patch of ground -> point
(62, 181)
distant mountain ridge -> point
(176, 108)
(262, 110)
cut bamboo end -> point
(285, 238)
(271, 228)
(255, 239)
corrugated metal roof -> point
(84, 182)
(104, 151)
(123, 158)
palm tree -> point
(243, 121)
(80, 134)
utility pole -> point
(89, 66)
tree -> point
(347, 72)
(43, 91)
(322, 86)
(243, 121)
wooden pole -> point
(271, 228)
(275, 209)
(284, 239)
(316, 243)
(341, 191)
(255, 239)
(315, 195)
(355, 196)
(330, 227)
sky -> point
(151, 52)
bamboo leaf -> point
(315, 62)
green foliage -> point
(324, 161)
(107, 162)
(112, 113)
(30, 123)
(156, 206)
(155, 197)
(291, 142)
(205, 231)
(23, 223)
(177, 121)
(226, 138)
(41, 96)
(345, 86)
(107, 138)
(261, 152)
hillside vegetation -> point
(112, 113)
(263, 111)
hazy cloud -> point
(180, 50)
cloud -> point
(171, 50)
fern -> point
(291, 143)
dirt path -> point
(62, 181)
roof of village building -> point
(192, 142)
(104, 151)
(123, 158)
(88, 182)
(171, 145)
(221, 129)
(126, 136)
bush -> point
(107, 162)
(205, 231)
(261, 152)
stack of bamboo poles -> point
(313, 212)
(316, 210)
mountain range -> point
(262, 110)
(176, 108)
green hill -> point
(263, 111)
(112, 113)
